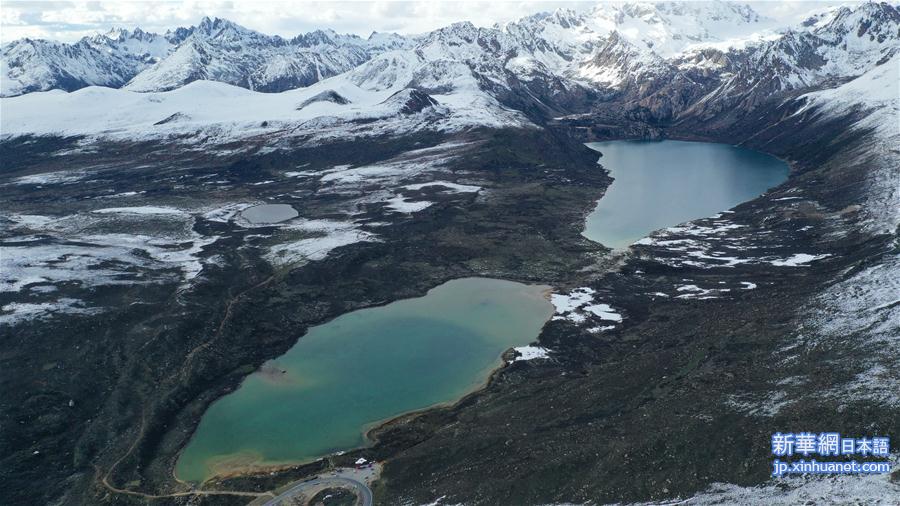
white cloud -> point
(70, 20)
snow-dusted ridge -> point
(221, 112)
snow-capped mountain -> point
(825, 51)
(665, 28)
(655, 60)
(668, 57)
(215, 49)
(109, 59)
(462, 57)
(219, 50)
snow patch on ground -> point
(139, 210)
(759, 403)
(705, 247)
(565, 303)
(797, 260)
(401, 205)
(71, 249)
(579, 305)
(18, 312)
(327, 236)
(789, 491)
(604, 312)
(449, 187)
(530, 353)
(425, 163)
(122, 195)
(691, 291)
(31, 221)
(226, 213)
(48, 178)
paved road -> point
(363, 491)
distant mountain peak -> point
(211, 25)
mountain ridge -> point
(648, 58)
(215, 48)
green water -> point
(363, 367)
(660, 184)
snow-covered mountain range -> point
(665, 59)
(109, 59)
(215, 50)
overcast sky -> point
(71, 20)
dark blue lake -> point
(659, 184)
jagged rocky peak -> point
(560, 34)
(562, 17)
(831, 47)
(317, 38)
(211, 25)
(460, 34)
(121, 35)
(209, 28)
(178, 35)
(385, 41)
(223, 28)
(566, 18)
(224, 51)
(874, 21)
(215, 49)
(147, 46)
(228, 31)
(464, 42)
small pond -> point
(269, 213)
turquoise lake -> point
(344, 376)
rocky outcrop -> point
(325, 96)
(410, 101)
